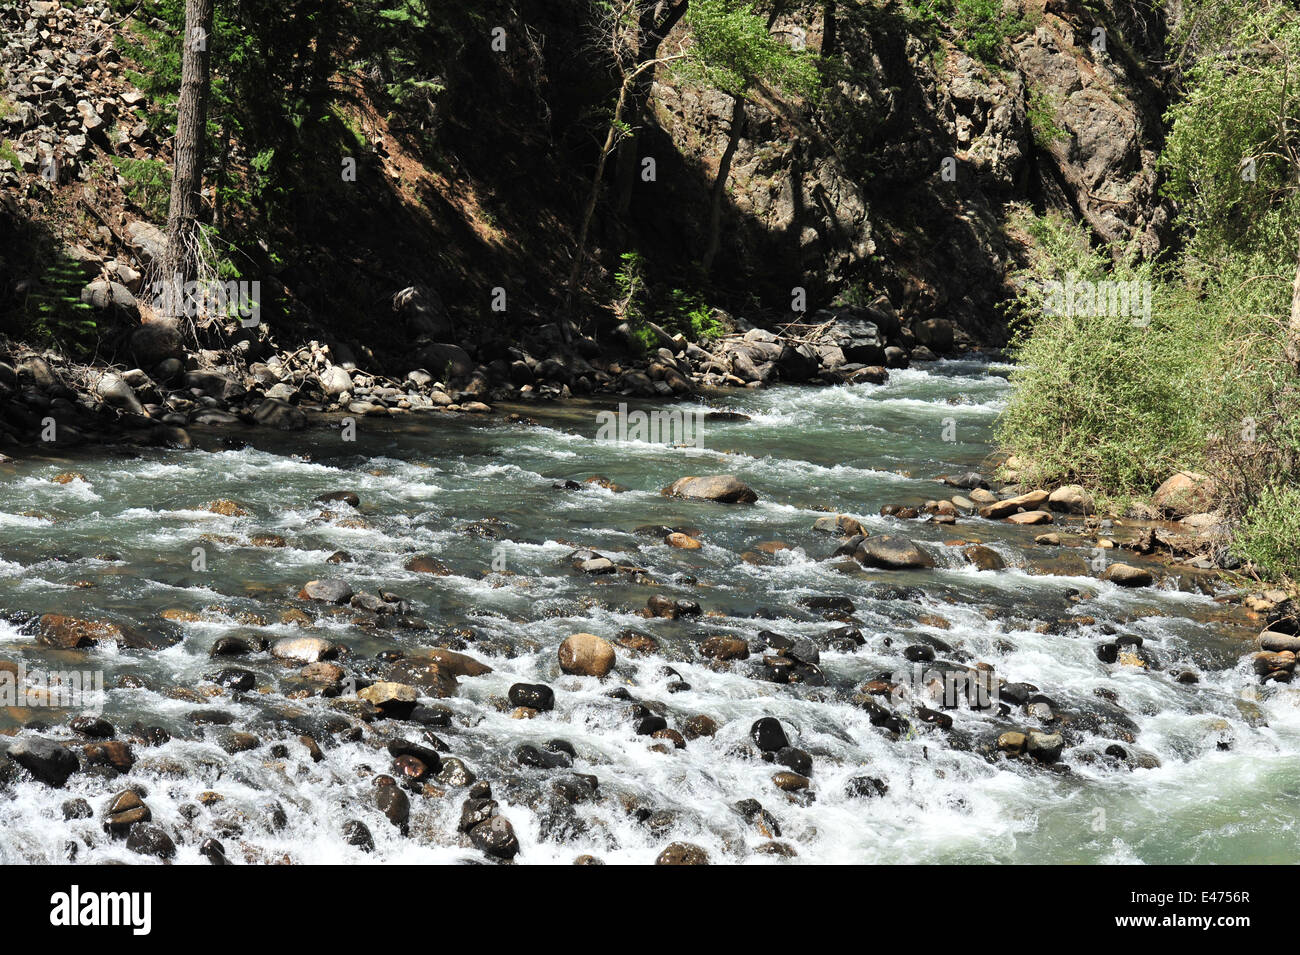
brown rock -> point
(723, 488)
(586, 654)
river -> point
(1208, 771)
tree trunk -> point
(720, 184)
(830, 29)
(181, 260)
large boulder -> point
(449, 362)
(1071, 499)
(48, 761)
(723, 488)
(276, 413)
(113, 390)
(1183, 493)
(1126, 575)
(149, 241)
(155, 342)
(335, 381)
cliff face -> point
(896, 183)
(901, 179)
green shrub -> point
(1269, 535)
(148, 184)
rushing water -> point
(1211, 773)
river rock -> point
(585, 654)
(1126, 575)
(984, 558)
(125, 810)
(357, 833)
(68, 633)
(723, 488)
(1071, 499)
(114, 391)
(534, 696)
(892, 553)
(768, 734)
(393, 699)
(839, 524)
(150, 840)
(495, 837)
(335, 381)
(1023, 502)
(303, 649)
(327, 589)
(1044, 747)
(457, 664)
(424, 564)
(155, 342)
(1279, 642)
(278, 413)
(724, 647)
(46, 760)
(682, 853)
(1184, 493)
(1030, 518)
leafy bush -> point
(1269, 535)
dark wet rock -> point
(646, 722)
(235, 679)
(865, 787)
(585, 654)
(147, 839)
(918, 653)
(210, 717)
(535, 696)
(339, 557)
(114, 753)
(392, 802)
(231, 647)
(400, 747)
(476, 810)
(425, 564)
(77, 809)
(723, 488)
(528, 755)
(661, 606)
(828, 604)
(768, 734)
(214, 852)
(840, 524)
(93, 726)
(327, 590)
(795, 759)
(495, 837)
(357, 833)
(67, 633)
(46, 760)
(752, 811)
(125, 810)
(455, 773)
(278, 413)
(699, 726)
(892, 553)
(349, 498)
(723, 647)
(682, 853)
